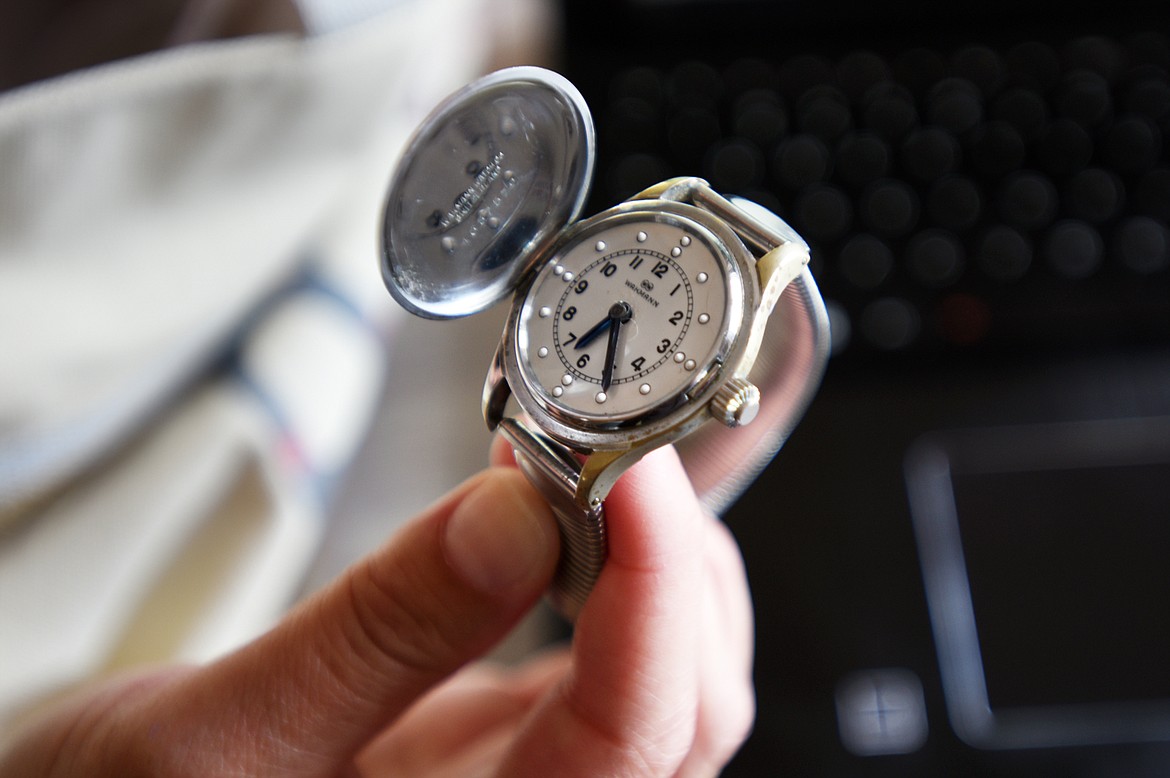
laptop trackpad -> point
(1046, 558)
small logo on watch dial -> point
(642, 292)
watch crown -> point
(736, 403)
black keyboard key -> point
(1096, 53)
(826, 213)
(1027, 200)
(1003, 254)
(1073, 249)
(1022, 108)
(963, 319)
(1142, 244)
(1150, 97)
(955, 104)
(862, 157)
(865, 261)
(735, 165)
(890, 323)
(1133, 144)
(1095, 195)
(860, 71)
(1084, 97)
(759, 116)
(954, 202)
(801, 161)
(889, 110)
(935, 258)
(695, 83)
(889, 208)
(930, 153)
(824, 111)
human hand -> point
(365, 677)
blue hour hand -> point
(593, 332)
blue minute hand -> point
(619, 314)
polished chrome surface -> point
(483, 188)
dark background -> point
(1067, 320)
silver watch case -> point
(687, 410)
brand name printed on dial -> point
(466, 202)
(641, 293)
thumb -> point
(304, 698)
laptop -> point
(960, 561)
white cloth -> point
(190, 329)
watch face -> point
(628, 318)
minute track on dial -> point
(626, 274)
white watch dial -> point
(627, 318)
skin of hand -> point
(372, 677)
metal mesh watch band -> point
(555, 473)
(721, 462)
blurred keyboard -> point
(959, 198)
(986, 189)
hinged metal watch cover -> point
(485, 185)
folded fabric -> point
(191, 329)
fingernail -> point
(501, 538)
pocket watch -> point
(679, 316)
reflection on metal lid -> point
(487, 182)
